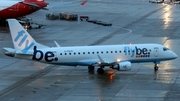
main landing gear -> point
(155, 67)
(90, 68)
(99, 70)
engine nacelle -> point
(122, 66)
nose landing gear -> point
(155, 67)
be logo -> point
(143, 51)
(135, 51)
(39, 55)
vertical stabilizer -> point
(23, 42)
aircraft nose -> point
(174, 55)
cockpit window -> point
(165, 49)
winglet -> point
(101, 60)
(57, 44)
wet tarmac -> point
(133, 22)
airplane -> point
(16, 9)
(84, 2)
(119, 57)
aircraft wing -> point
(106, 61)
(112, 62)
(100, 62)
(34, 5)
(66, 4)
(30, 4)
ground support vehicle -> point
(84, 18)
(68, 16)
(30, 24)
(100, 22)
(52, 16)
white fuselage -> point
(89, 55)
(117, 57)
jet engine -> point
(122, 66)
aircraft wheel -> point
(155, 67)
(91, 68)
(100, 71)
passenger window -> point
(115, 51)
(92, 52)
(119, 51)
(97, 52)
(64, 53)
(102, 52)
(60, 53)
(106, 51)
(83, 52)
(88, 52)
(74, 53)
(69, 53)
(79, 53)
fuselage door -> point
(156, 51)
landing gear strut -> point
(91, 68)
(100, 70)
(155, 67)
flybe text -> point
(22, 38)
(135, 51)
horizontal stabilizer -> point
(9, 51)
(27, 54)
(12, 52)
